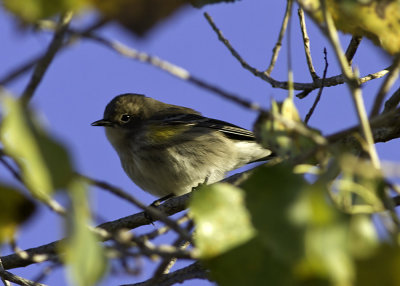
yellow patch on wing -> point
(161, 134)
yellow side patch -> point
(165, 133)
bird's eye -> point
(125, 118)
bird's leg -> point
(200, 184)
(155, 204)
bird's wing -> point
(230, 130)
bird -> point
(167, 150)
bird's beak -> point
(102, 122)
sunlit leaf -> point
(326, 246)
(33, 10)
(360, 187)
(44, 163)
(84, 253)
(15, 208)
(281, 138)
(138, 16)
(377, 20)
(271, 195)
(221, 217)
(380, 269)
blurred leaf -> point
(44, 163)
(84, 253)
(201, 3)
(300, 226)
(221, 217)
(375, 19)
(249, 264)
(363, 237)
(15, 209)
(271, 195)
(326, 238)
(278, 137)
(360, 187)
(138, 16)
(380, 269)
(33, 10)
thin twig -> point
(5, 282)
(289, 56)
(193, 271)
(330, 81)
(306, 42)
(51, 203)
(152, 211)
(170, 207)
(166, 265)
(352, 48)
(387, 84)
(184, 75)
(385, 127)
(7, 276)
(278, 45)
(164, 229)
(168, 67)
(10, 168)
(45, 61)
(309, 114)
(352, 81)
(393, 101)
(149, 249)
(30, 63)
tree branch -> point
(278, 45)
(306, 42)
(193, 271)
(48, 57)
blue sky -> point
(85, 77)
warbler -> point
(168, 149)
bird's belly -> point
(169, 175)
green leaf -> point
(282, 138)
(15, 209)
(84, 253)
(222, 220)
(138, 16)
(249, 264)
(375, 19)
(44, 163)
(33, 10)
(360, 188)
(380, 269)
(271, 196)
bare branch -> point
(48, 57)
(385, 127)
(51, 203)
(386, 86)
(393, 101)
(20, 70)
(152, 211)
(354, 85)
(330, 81)
(309, 114)
(278, 45)
(306, 41)
(352, 48)
(193, 271)
(166, 265)
(8, 276)
(169, 68)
